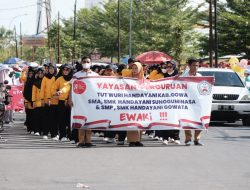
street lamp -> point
(15, 31)
(13, 18)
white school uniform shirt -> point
(85, 74)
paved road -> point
(28, 162)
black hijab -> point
(27, 92)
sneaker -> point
(32, 133)
(72, 142)
(120, 143)
(138, 144)
(188, 142)
(105, 139)
(64, 139)
(151, 136)
(110, 140)
(177, 142)
(157, 138)
(55, 138)
(37, 134)
(101, 135)
(197, 143)
(170, 140)
(97, 134)
(165, 142)
(45, 137)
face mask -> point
(86, 65)
(164, 70)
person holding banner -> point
(84, 135)
(170, 136)
(134, 137)
(193, 67)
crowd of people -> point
(48, 102)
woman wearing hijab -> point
(170, 136)
(134, 137)
(50, 104)
(27, 94)
(37, 101)
(61, 89)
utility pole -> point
(16, 41)
(118, 30)
(130, 28)
(21, 41)
(210, 34)
(215, 34)
(48, 19)
(58, 39)
(74, 37)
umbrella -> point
(12, 60)
(153, 57)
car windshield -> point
(224, 78)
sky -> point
(14, 12)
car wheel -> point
(246, 122)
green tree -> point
(234, 27)
(6, 44)
(164, 25)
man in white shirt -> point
(193, 67)
(84, 135)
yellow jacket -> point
(36, 96)
(127, 72)
(63, 86)
(46, 91)
(154, 75)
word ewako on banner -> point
(111, 103)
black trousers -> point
(64, 120)
(173, 134)
(30, 119)
(110, 134)
(121, 135)
(38, 119)
(50, 120)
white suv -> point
(231, 98)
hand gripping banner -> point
(110, 103)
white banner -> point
(110, 103)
